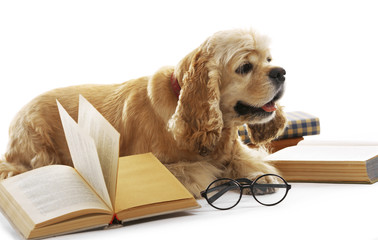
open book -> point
(328, 161)
(59, 199)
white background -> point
(328, 48)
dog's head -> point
(227, 81)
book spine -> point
(115, 220)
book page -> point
(84, 155)
(52, 191)
(143, 180)
(337, 142)
(106, 138)
(325, 153)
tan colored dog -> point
(225, 82)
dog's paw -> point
(8, 170)
(5, 172)
(265, 180)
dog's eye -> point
(244, 68)
(269, 59)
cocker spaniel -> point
(187, 115)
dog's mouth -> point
(243, 108)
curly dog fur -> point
(227, 81)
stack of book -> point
(299, 124)
(331, 161)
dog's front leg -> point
(248, 163)
(195, 176)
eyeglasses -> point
(226, 193)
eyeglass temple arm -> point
(272, 185)
(246, 183)
(221, 192)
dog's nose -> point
(277, 74)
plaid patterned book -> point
(299, 124)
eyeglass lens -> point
(269, 189)
(224, 194)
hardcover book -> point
(328, 161)
(101, 187)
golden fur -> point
(195, 136)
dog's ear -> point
(197, 122)
(263, 133)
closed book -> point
(328, 162)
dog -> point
(186, 115)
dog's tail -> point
(8, 169)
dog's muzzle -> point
(242, 108)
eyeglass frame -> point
(250, 184)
